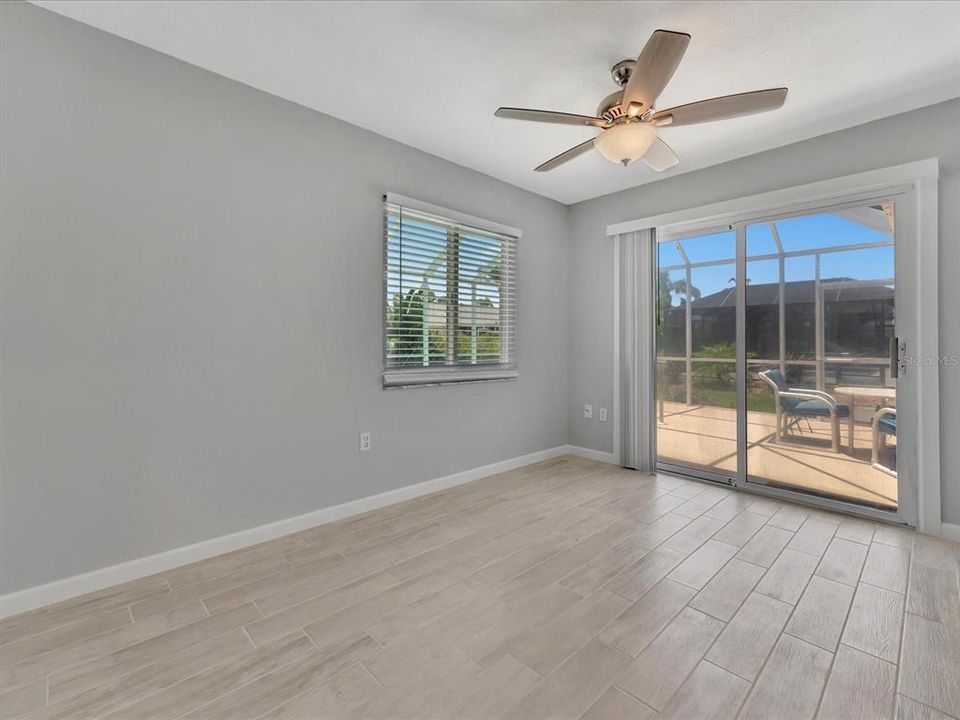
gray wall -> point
(190, 301)
(929, 132)
(191, 308)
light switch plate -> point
(588, 412)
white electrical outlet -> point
(588, 412)
(366, 441)
(603, 414)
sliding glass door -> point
(696, 353)
(777, 354)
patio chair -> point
(794, 404)
(884, 423)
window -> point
(450, 311)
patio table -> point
(885, 395)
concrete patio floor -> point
(705, 436)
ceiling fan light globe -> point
(625, 143)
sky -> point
(423, 244)
(807, 232)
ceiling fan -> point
(627, 119)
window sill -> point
(448, 376)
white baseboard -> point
(949, 531)
(58, 590)
(590, 454)
(53, 592)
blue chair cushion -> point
(778, 378)
(817, 408)
(888, 424)
(787, 403)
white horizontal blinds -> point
(450, 297)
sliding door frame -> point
(919, 183)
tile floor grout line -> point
(840, 642)
(626, 692)
(933, 711)
(212, 668)
(156, 691)
(743, 700)
(595, 636)
(295, 696)
(903, 618)
(766, 660)
(401, 580)
(652, 639)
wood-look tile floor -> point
(566, 589)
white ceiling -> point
(430, 74)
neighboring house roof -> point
(483, 315)
(797, 291)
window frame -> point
(448, 374)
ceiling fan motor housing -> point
(609, 108)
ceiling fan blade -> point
(722, 108)
(660, 156)
(548, 116)
(566, 155)
(655, 66)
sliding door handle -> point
(898, 357)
